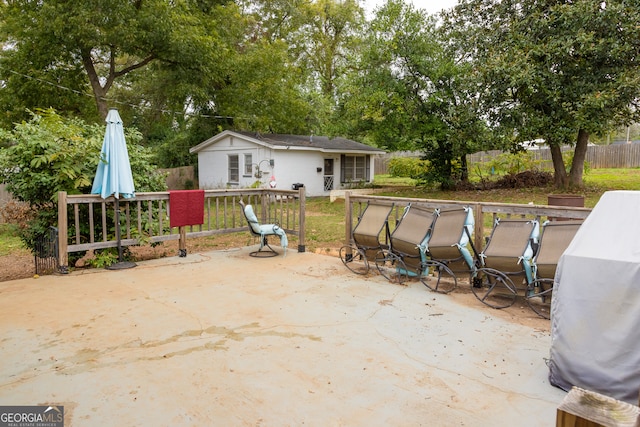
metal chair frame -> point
(405, 256)
(447, 258)
(364, 246)
(264, 243)
(554, 240)
(493, 285)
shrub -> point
(513, 163)
(407, 167)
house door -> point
(328, 174)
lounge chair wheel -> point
(441, 271)
(539, 295)
(494, 288)
(354, 259)
(391, 266)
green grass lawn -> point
(614, 179)
(10, 243)
(596, 182)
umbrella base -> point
(121, 265)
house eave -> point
(216, 138)
(325, 150)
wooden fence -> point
(381, 162)
(180, 178)
(484, 213)
(598, 156)
(86, 222)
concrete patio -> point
(223, 339)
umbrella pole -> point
(118, 235)
(120, 265)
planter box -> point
(572, 200)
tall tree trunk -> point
(579, 156)
(99, 91)
(464, 175)
(559, 172)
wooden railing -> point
(86, 222)
(484, 213)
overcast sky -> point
(431, 6)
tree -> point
(55, 45)
(290, 72)
(263, 91)
(332, 31)
(411, 93)
(557, 70)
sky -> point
(431, 6)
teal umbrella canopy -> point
(113, 175)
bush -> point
(407, 167)
(513, 163)
(19, 214)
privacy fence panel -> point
(598, 156)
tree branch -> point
(130, 68)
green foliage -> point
(567, 158)
(89, 46)
(357, 184)
(387, 180)
(513, 163)
(173, 151)
(553, 70)
(407, 167)
(444, 170)
(104, 258)
(410, 92)
(262, 93)
(49, 154)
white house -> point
(243, 159)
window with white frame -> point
(354, 168)
(234, 168)
(248, 162)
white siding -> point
(301, 167)
(213, 167)
(290, 166)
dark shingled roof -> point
(311, 141)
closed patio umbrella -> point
(113, 175)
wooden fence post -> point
(479, 227)
(585, 408)
(348, 223)
(301, 220)
(264, 202)
(63, 259)
(182, 241)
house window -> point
(248, 162)
(354, 168)
(234, 168)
